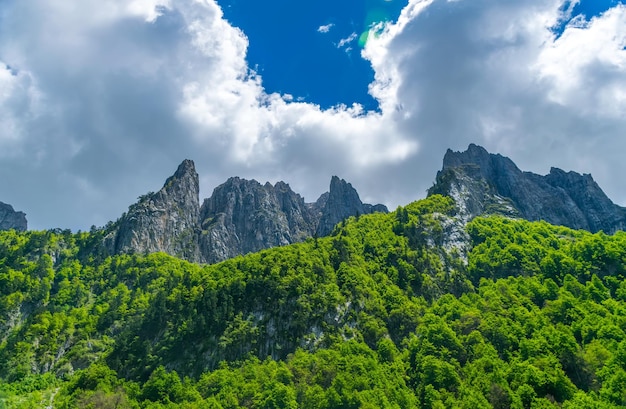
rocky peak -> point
(185, 177)
(182, 189)
(10, 219)
(163, 221)
(241, 216)
(484, 183)
(342, 202)
(600, 213)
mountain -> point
(428, 306)
(485, 183)
(10, 219)
(240, 217)
(380, 314)
(342, 202)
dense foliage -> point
(384, 313)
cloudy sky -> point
(100, 100)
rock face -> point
(243, 216)
(342, 202)
(163, 221)
(10, 219)
(240, 217)
(484, 183)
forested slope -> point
(384, 313)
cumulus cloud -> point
(102, 99)
(137, 87)
(494, 73)
(585, 66)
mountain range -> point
(241, 216)
(244, 216)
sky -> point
(101, 100)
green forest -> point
(384, 313)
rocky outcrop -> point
(484, 183)
(163, 221)
(240, 217)
(342, 202)
(10, 219)
(243, 216)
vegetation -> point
(384, 313)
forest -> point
(383, 313)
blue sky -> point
(100, 100)
(590, 8)
(297, 46)
(586, 9)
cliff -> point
(10, 219)
(163, 221)
(485, 183)
(240, 217)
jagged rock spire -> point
(343, 201)
(241, 216)
(163, 221)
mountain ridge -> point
(486, 183)
(241, 216)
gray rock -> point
(10, 219)
(163, 221)
(240, 217)
(243, 216)
(484, 183)
(342, 202)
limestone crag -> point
(243, 216)
(163, 221)
(343, 201)
(10, 219)
(240, 217)
(484, 183)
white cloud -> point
(492, 72)
(584, 68)
(138, 88)
(345, 41)
(104, 109)
(325, 28)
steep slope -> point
(163, 221)
(10, 219)
(484, 183)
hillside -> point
(390, 311)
